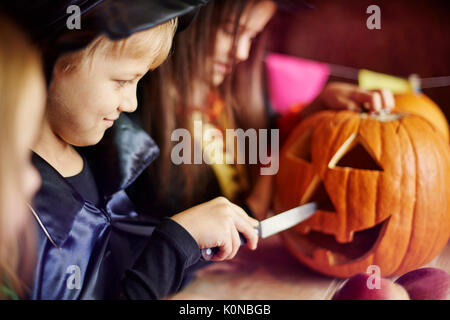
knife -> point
(273, 225)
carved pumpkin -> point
(420, 104)
(382, 183)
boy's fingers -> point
(247, 223)
(247, 230)
(244, 215)
(224, 252)
(236, 243)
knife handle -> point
(208, 253)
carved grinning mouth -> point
(313, 243)
(353, 155)
(346, 248)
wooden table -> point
(270, 272)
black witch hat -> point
(46, 21)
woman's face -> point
(252, 21)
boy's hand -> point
(341, 95)
(217, 223)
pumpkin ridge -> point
(382, 130)
(376, 215)
(347, 194)
(438, 159)
(330, 198)
(400, 123)
(433, 250)
(372, 258)
(402, 261)
(369, 258)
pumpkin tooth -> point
(323, 256)
(344, 237)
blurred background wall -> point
(414, 38)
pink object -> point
(362, 287)
(293, 80)
(426, 284)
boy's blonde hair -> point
(156, 41)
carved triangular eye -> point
(354, 154)
(358, 158)
(302, 147)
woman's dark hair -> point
(171, 92)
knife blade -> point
(274, 225)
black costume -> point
(101, 250)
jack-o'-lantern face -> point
(379, 184)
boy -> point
(91, 244)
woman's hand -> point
(341, 95)
(217, 223)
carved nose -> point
(319, 194)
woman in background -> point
(22, 97)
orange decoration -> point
(382, 184)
